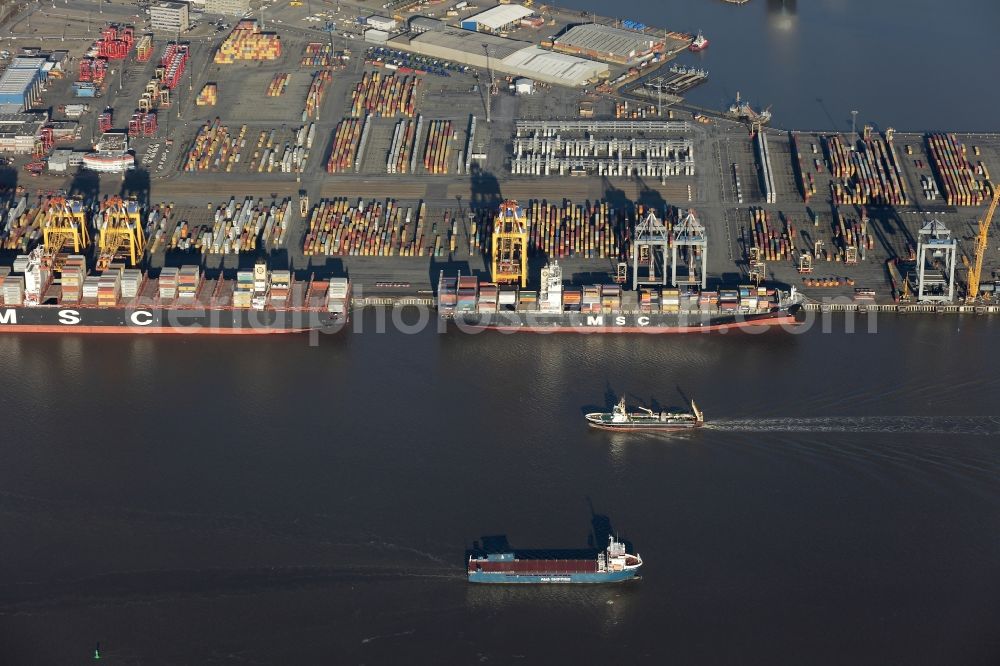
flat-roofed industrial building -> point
(497, 19)
(507, 56)
(381, 22)
(605, 42)
(18, 131)
(227, 7)
(420, 24)
(21, 85)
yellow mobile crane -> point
(976, 269)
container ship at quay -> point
(179, 300)
(612, 565)
(557, 308)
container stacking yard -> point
(424, 135)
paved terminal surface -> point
(718, 146)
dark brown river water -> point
(192, 500)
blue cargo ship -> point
(611, 565)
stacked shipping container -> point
(955, 175)
(401, 148)
(276, 88)
(214, 149)
(314, 96)
(248, 42)
(344, 150)
(385, 96)
(437, 147)
(208, 96)
(376, 229)
(317, 54)
(773, 244)
(869, 175)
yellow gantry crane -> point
(64, 230)
(510, 245)
(976, 269)
(120, 227)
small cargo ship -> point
(700, 43)
(646, 419)
(741, 110)
(611, 565)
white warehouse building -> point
(506, 56)
(496, 19)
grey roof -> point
(472, 42)
(21, 118)
(565, 69)
(20, 124)
(27, 62)
(426, 23)
(605, 39)
(17, 80)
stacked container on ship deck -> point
(468, 286)
(131, 283)
(708, 300)
(748, 297)
(527, 301)
(167, 284)
(729, 300)
(508, 298)
(611, 298)
(13, 290)
(670, 301)
(74, 271)
(337, 295)
(572, 300)
(590, 302)
(488, 296)
(281, 284)
(108, 289)
(648, 300)
(188, 279)
(91, 288)
(244, 289)
(447, 294)
(689, 301)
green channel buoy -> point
(97, 652)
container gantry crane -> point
(120, 227)
(510, 245)
(64, 229)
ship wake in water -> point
(933, 425)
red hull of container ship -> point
(141, 320)
(754, 325)
(132, 330)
